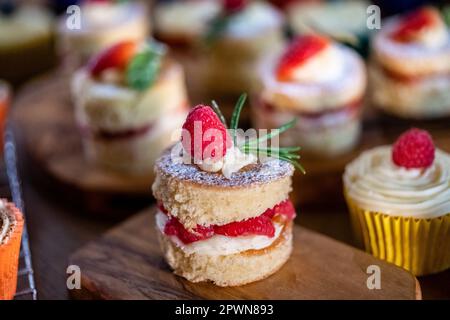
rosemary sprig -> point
(219, 113)
(274, 133)
(288, 154)
(236, 115)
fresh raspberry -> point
(298, 52)
(261, 225)
(232, 6)
(414, 23)
(284, 208)
(174, 228)
(118, 56)
(210, 136)
(414, 149)
(283, 4)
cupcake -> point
(399, 200)
(319, 82)
(11, 226)
(129, 100)
(26, 41)
(410, 66)
(224, 213)
(238, 39)
(102, 24)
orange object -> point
(4, 106)
(9, 253)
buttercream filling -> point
(220, 244)
(375, 183)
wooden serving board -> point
(126, 263)
(43, 115)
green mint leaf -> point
(143, 69)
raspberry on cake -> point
(129, 99)
(322, 84)
(410, 65)
(230, 224)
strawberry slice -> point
(299, 52)
(116, 57)
(204, 135)
(174, 228)
(261, 225)
(284, 208)
(414, 23)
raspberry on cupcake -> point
(399, 200)
(224, 213)
(320, 83)
(411, 65)
(129, 99)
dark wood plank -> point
(126, 263)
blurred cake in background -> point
(345, 21)
(129, 100)
(26, 41)
(410, 69)
(182, 25)
(221, 41)
(103, 23)
(322, 84)
(238, 39)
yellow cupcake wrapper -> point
(421, 246)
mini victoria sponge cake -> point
(196, 197)
(123, 128)
(11, 226)
(410, 66)
(103, 23)
(322, 84)
(223, 218)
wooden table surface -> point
(57, 230)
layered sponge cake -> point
(229, 226)
(129, 100)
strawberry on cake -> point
(320, 83)
(410, 67)
(224, 214)
(129, 99)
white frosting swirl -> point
(375, 183)
(219, 244)
(6, 222)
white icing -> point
(219, 244)
(233, 161)
(377, 184)
(431, 43)
(99, 14)
(256, 18)
(324, 66)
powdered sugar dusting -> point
(260, 173)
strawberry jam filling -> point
(260, 225)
